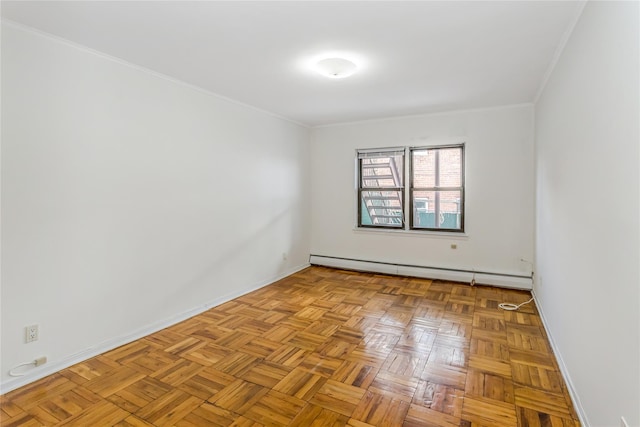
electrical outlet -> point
(623, 422)
(31, 333)
(40, 361)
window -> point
(435, 193)
(437, 188)
(381, 188)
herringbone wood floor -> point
(322, 347)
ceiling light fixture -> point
(336, 68)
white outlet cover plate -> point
(31, 333)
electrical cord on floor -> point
(20, 374)
(511, 307)
(37, 362)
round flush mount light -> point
(336, 68)
(335, 64)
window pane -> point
(382, 172)
(438, 167)
(424, 209)
(450, 205)
(382, 208)
(437, 209)
(423, 168)
(450, 167)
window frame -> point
(400, 189)
(412, 188)
(407, 190)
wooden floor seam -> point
(322, 347)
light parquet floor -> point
(322, 347)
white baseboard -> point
(55, 366)
(507, 280)
(582, 415)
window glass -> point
(381, 188)
(437, 192)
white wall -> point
(587, 140)
(499, 190)
(129, 200)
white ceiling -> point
(420, 57)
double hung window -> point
(433, 200)
(381, 188)
(437, 190)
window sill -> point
(413, 233)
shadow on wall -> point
(256, 248)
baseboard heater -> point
(506, 280)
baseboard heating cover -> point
(507, 280)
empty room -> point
(320, 213)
